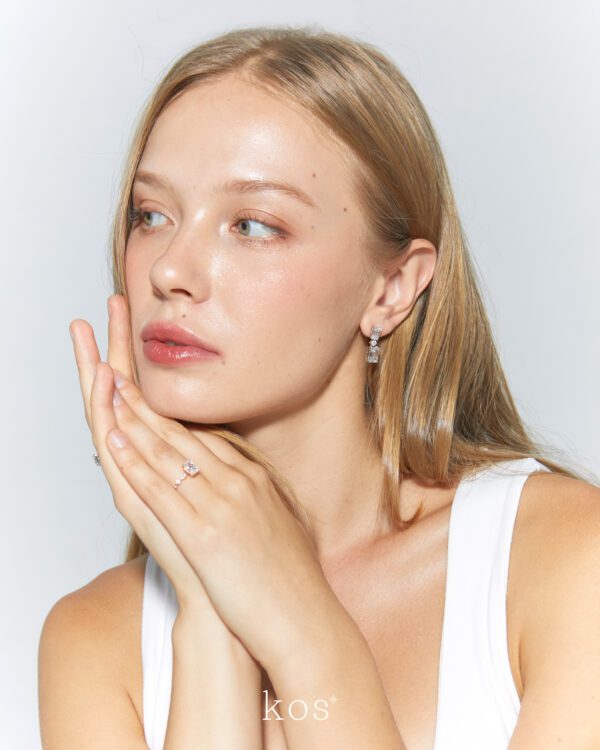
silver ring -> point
(96, 458)
(189, 470)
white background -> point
(513, 90)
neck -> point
(325, 453)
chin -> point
(170, 408)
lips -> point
(165, 331)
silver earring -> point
(373, 355)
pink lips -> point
(188, 347)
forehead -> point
(235, 129)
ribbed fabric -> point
(478, 704)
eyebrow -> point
(231, 186)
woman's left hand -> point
(254, 558)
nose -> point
(182, 270)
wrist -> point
(212, 644)
(318, 643)
(194, 629)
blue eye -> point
(244, 221)
(247, 222)
(135, 214)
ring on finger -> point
(189, 470)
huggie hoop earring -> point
(373, 354)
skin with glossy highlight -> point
(277, 285)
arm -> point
(83, 701)
(332, 680)
(560, 651)
(89, 648)
(215, 695)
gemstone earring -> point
(373, 354)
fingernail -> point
(119, 379)
(117, 398)
(117, 438)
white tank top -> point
(478, 703)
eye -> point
(135, 214)
(246, 224)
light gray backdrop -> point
(513, 90)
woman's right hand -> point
(97, 392)
(212, 669)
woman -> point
(304, 419)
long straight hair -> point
(438, 402)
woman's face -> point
(282, 305)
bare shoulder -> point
(556, 514)
(115, 592)
(557, 533)
(107, 608)
(89, 660)
(548, 497)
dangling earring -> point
(373, 354)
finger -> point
(213, 452)
(119, 334)
(87, 357)
(103, 420)
(166, 459)
(173, 511)
(132, 507)
(156, 437)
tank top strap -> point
(478, 703)
(159, 609)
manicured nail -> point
(117, 398)
(117, 438)
(119, 379)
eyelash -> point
(135, 214)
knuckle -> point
(120, 503)
(238, 485)
(127, 418)
(155, 486)
(162, 449)
(259, 474)
(133, 395)
(172, 430)
(208, 537)
(127, 462)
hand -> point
(252, 555)
(229, 524)
(97, 398)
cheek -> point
(286, 298)
(136, 271)
(321, 293)
(289, 315)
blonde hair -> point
(438, 401)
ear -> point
(398, 287)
